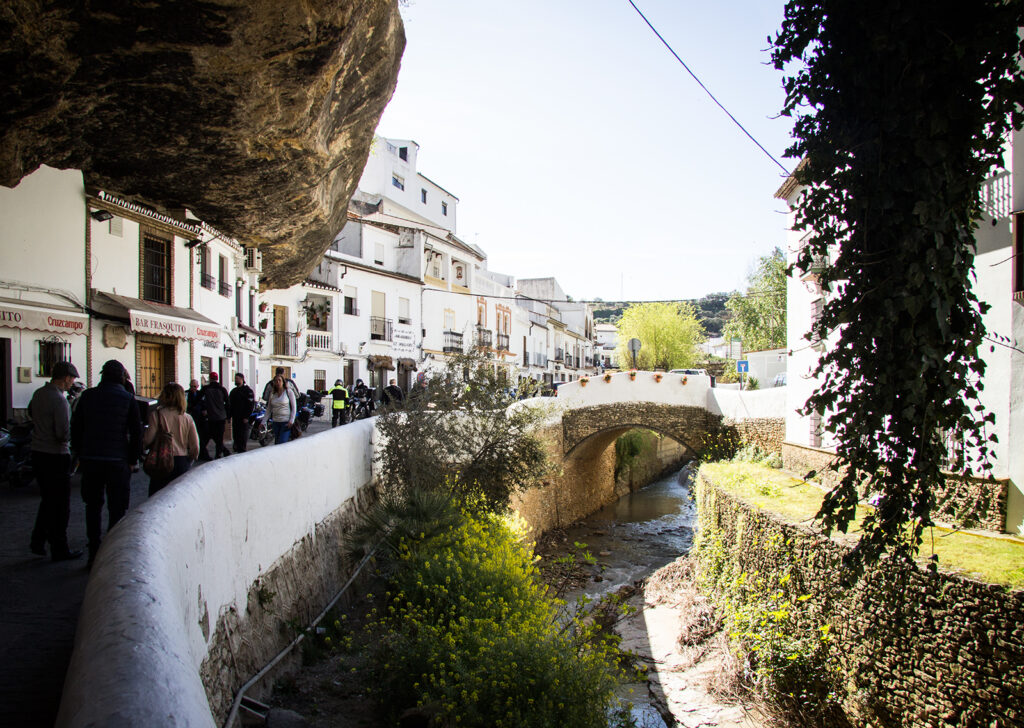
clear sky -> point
(579, 147)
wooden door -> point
(152, 367)
(280, 318)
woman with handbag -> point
(171, 437)
(281, 405)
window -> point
(350, 301)
(52, 351)
(449, 319)
(403, 311)
(444, 208)
(350, 372)
(398, 182)
(222, 277)
(238, 303)
(156, 269)
(423, 196)
(1018, 257)
(205, 277)
(320, 380)
(378, 253)
(403, 153)
(252, 307)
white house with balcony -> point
(998, 281)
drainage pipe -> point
(233, 715)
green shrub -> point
(468, 636)
(629, 448)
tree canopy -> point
(759, 315)
(669, 334)
(901, 112)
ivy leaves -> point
(901, 110)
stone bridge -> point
(592, 415)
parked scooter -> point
(16, 454)
(260, 428)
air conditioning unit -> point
(253, 260)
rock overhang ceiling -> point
(257, 115)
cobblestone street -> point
(40, 600)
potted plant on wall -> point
(657, 376)
(263, 306)
(632, 375)
(683, 380)
(264, 323)
(608, 377)
(583, 380)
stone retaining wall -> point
(963, 501)
(767, 433)
(917, 651)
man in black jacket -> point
(240, 404)
(106, 432)
(215, 404)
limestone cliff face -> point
(256, 114)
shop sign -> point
(403, 341)
(41, 320)
(151, 323)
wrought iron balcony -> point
(208, 281)
(286, 343)
(380, 328)
(452, 342)
(503, 342)
(225, 289)
(559, 354)
(484, 337)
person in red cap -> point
(215, 405)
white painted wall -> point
(42, 264)
(644, 388)
(384, 161)
(197, 547)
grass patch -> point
(996, 560)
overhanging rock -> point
(256, 114)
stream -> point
(631, 539)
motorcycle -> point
(259, 429)
(362, 407)
(316, 398)
(16, 454)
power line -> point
(766, 294)
(701, 84)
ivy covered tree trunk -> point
(901, 110)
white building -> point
(42, 282)
(999, 281)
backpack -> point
(160, 458)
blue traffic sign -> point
(742, 366)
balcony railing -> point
(559, 354)
(319, 340)
(540, 360)
(452, 342)
(208, 281)
(286, 343)
(380, 328)
(503, 342)
(225, 288)
(484, 337)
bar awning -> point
(146, 317)
(42, 319)
(407, 364)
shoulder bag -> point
(160, 458)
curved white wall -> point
(186, 556)
(748, 404)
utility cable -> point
(700, 83)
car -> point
(702, 372)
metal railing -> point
(285, 343)
(559, 355)
(208, 281)
(484, 338)
(380, 328)
(452, 342)
(225, 289)
(503, 342)
(319, 340)
(540, 360)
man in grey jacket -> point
(51, 462)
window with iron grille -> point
(156, 269)
(350, 372)
(320, 380)
(52, 351)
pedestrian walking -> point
(288, 382)
(215, 408)
(339, 403)
(51, 462)
(107, 435)
(240, 405)
(195, 409)
(170, 416)
(281, 407)
(393, 393)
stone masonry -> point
(915, 650)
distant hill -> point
(711, 312)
